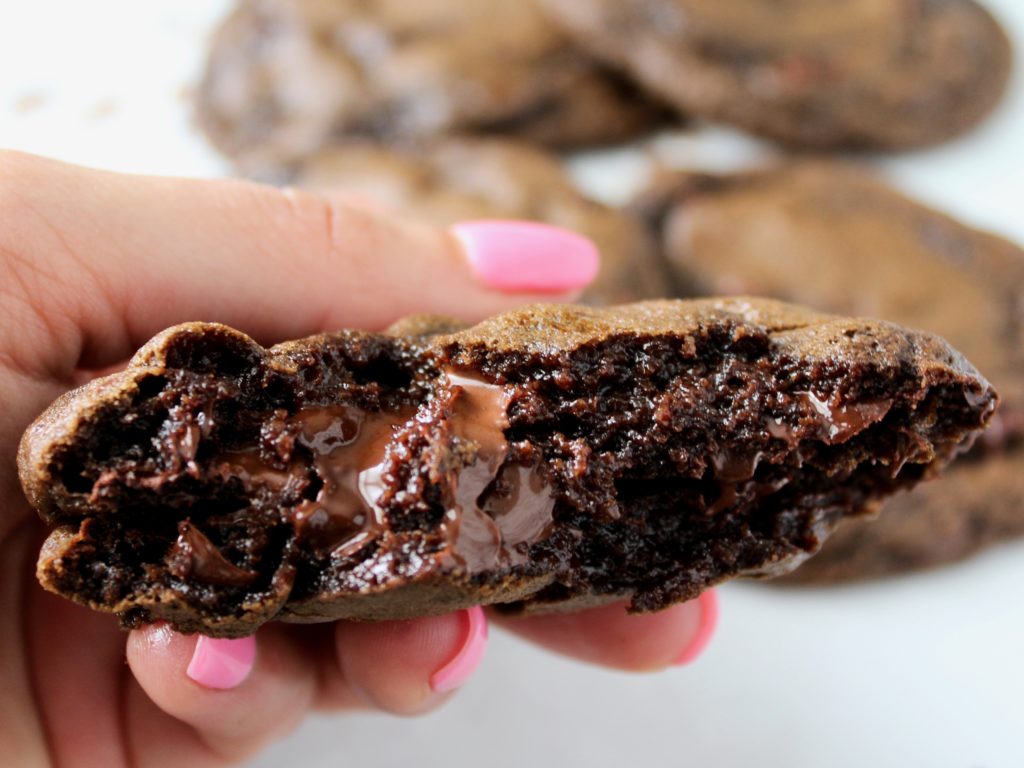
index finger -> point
(101, 261)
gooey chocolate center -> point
(497, 505)
(495, 508)
(349, 448)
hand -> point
(91, 265)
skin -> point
(91, 265)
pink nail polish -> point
(457, 671)
(222, 664)
(525, 256)
(708, 602)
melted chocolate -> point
(496, 506)
(731, 492)
(187, 443)
(782, 431)
(841, 422)
(734, 466)
(349, 448)
(524, 513)
(734, 470)
(195, 556)
(252, 470)
(478, 415)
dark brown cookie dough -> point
(284, 77)
(975, 504)
(461, 179)
(549, 458)
(810, 73)
(834, 237)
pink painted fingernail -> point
(457, 671)
(708, 602)
(525, 256)
(222, 664)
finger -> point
(610, 637)
(105, 260)
(75, 678)
(410, 667)
(154, 739)
(92, 711)
(366, 203)
(238, 695)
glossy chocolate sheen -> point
(485, 522)
(551, 458)
(486, 519)
(195, 556)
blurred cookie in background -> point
(284, 77)
(873, 74)
(454, 180)
(836, 238)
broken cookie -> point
(549, 458)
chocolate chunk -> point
(834, 237)
(810, 73)
(285, 77)
(549, 458)
(445, 182)
(194, 556)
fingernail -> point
(222, 664)
(708, 603)
(457, 671)
(525, 256)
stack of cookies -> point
(450, 110)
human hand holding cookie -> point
(95, 263)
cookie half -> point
(551, 458)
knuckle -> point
(328, 225)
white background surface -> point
(925, 670)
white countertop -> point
(926, 670)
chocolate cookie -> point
(553, 457)
(834, 237)
(461, 179)
(811, 73)
(286, 76)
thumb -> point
(101, 261)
